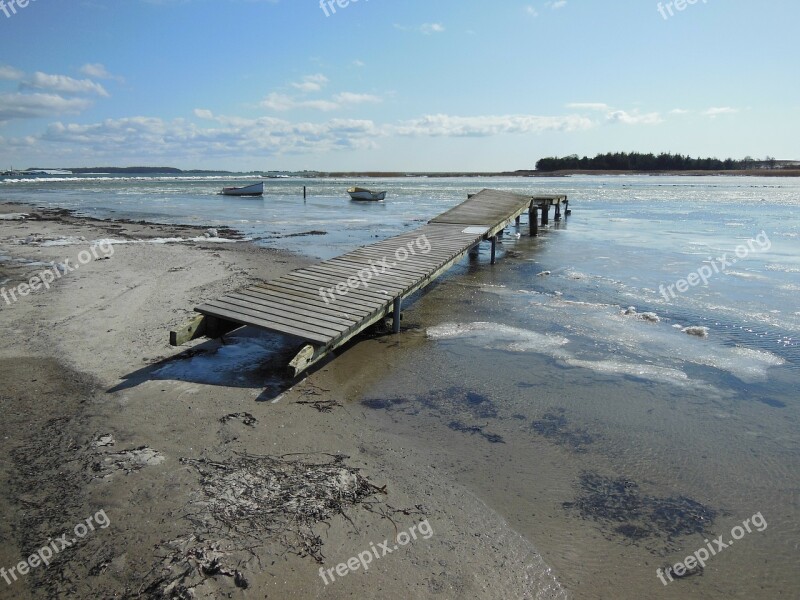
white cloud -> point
(31, 106)
(63, 84)
(613, 115)
(231, 136)
(716, 111)
(589, 106)
(219, 136)
(531, 11)
(311, 83)
(426, 28)
(679, 111)
(284, 102)
(429, 28)
(482, 126)
(98, 71)
(359, 63)
(556, 4)
(8, 72)
(349, 99)
(621, 116)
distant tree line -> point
(636, 161)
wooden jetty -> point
(327, 304)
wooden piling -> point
(494, 249)
(397, 307)
(545, 213)
(533, 220)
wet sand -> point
(101, 414)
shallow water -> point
(608, 436)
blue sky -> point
(427, 85)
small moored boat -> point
(357, 193)
(256, 189)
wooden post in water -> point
(533, 220)
(494, 248)
(567, 211)
(396, 308)
(304, 192)
(545, 212)
(517, 221)
(558, 211)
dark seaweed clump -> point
(449, 401)
(554, 427)
(474, 429)
(458, 405)
(384, 403)
(619, 502)
(772, 402)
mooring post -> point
(545, 212)
(396, 307)
(304, 192)
(533, 220)
(494, 248)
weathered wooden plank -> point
(297, 309)
(312, 303)
(246, 317)
(303, 289)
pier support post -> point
(567, 211)
(517, 221)
(533, 220)
(397, 307)
(558, 212)
(545, 213)
(304, 192)
(494, 249)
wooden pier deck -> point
(327, 304)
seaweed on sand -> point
(248, 499)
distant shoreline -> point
(160, 171)
(565, 173)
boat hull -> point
(366, 195)
(257, 189)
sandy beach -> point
(196, 477)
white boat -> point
(256, 189)
(357, 193)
